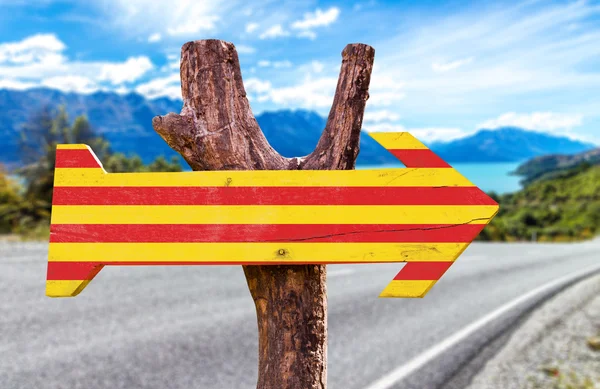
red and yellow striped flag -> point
(425, 214)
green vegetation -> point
(25, 206)
(562, 206)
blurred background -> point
(506, 92)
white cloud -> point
(275, 31)
(385, 89)
(316, 87)
(173, 63)
(317, 19)
(251, 27)
(16, 85)
(307, 34)
(380, 116)
(36, 48)
(445, 66)
(313, 20)
(122, 90)
(275, 64)
(425, 134)
(540, 121)
(433, 134)
(173, 17)
(205, 23)
(128, 71)
(535, 57)
(156, 37)
(311, 93)
(317, 66)
(384, 127)
(71, 83)
(282, 64)
(243, 49)
(39, 61)
(256, 86)
(169, 86)
(385, 98)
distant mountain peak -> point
(507, 144)
(126, 120)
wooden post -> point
(216, 130)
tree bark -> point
(216, 130)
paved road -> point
(194, 327)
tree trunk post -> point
(216, 130)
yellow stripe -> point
(397, 140)
(407, 288)
(72, 147)
(254, 252)
(376, 177)
(65, 288)
(272, 214)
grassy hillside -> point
(562, 207)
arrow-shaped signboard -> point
(425, 214)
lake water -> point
(487, 176)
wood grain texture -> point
(216, 130)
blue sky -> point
(443, 69)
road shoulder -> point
(550, 348)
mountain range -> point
(507, 144)
(125, 120)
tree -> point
(38, 141)
(10, 203)
(16, 213)
(120, 163)
(217, 131)
(45, 130)
(23, 212)
(160, 164)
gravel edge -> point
(550, 345)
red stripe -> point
(68, 270)
(72, 270)
(468, 195)
(423, 270)
(419, 158)
(87, 270)
(207, 233)
(75, 158)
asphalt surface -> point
(195, 327)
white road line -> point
(422, 359)
(340, 272)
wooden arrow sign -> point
(425, 214)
